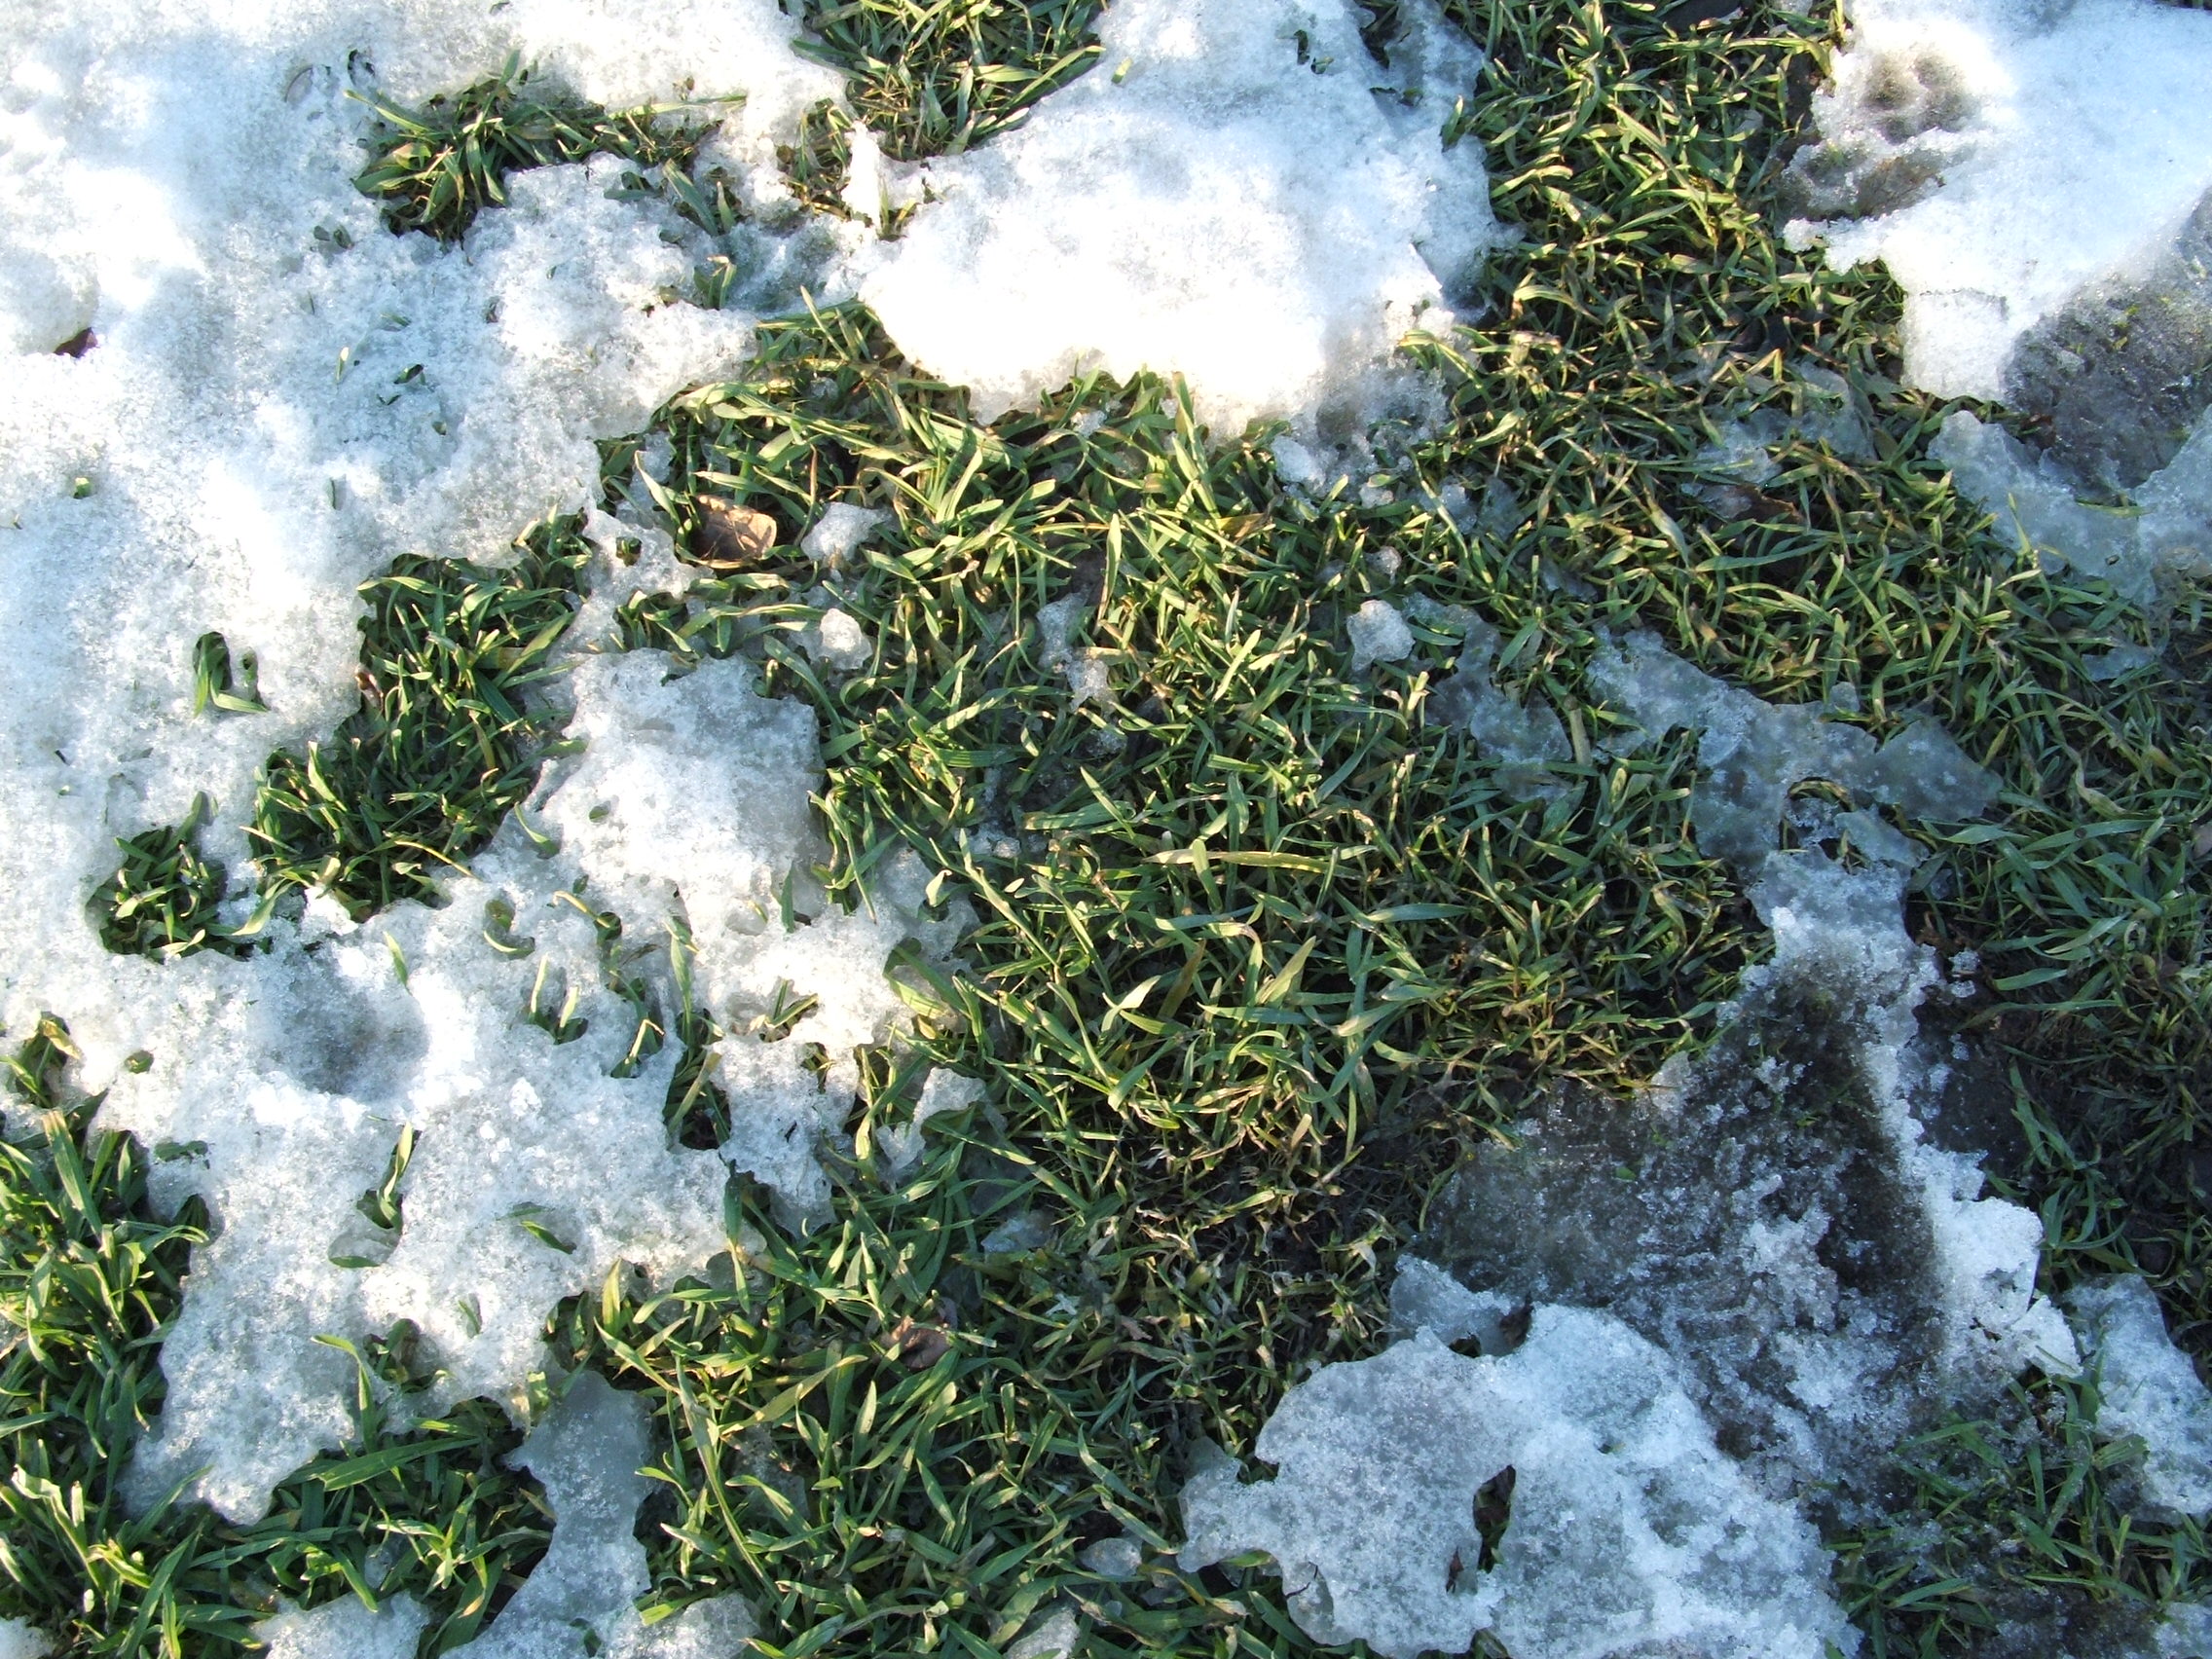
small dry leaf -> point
(730, 535)
(918, 1347)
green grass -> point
(445, 739)
(434, 169)
(1262, 947)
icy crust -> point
(2166, 529)
(284, 396)
(2148, 1389)
(1631, 1532)
(2000, 156)
(1751, 753)
(579, 1599)
(1737, 1291)
(1169, 209)
(278, 1086)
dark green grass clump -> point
(936, 77)
(162, 899)
(435, 167)
(445, 740)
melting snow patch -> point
(1168, 209)
(1629, 1531)
(1999, 157)
(2148, 1389)
(2039, 180)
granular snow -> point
(2147, 1388)
(1169, 210)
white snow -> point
(1628, 1531)
(1237, 193)
(2148, 1389)
(19, 1639)
(2050, 146)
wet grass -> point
(1264, 944)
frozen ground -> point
(277, 397)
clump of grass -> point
(436, 167)
(162, 899)
(936, 77)
(819, 159)
(445, 740)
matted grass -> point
(1263, 946)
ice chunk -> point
(1423, 1297)
(2149, 1389)
(1751, 753)
(1627, 1532)
(344, 1629)
(1378, 634)
(840, 641)
(1053, 1636)
(943, 1091)
(1121, 1558)
(1085, 670)
(841, 531)
(1827, 411)
(19, 1639)
(1166, 212)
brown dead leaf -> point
(730, 536)
(918, 1347)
